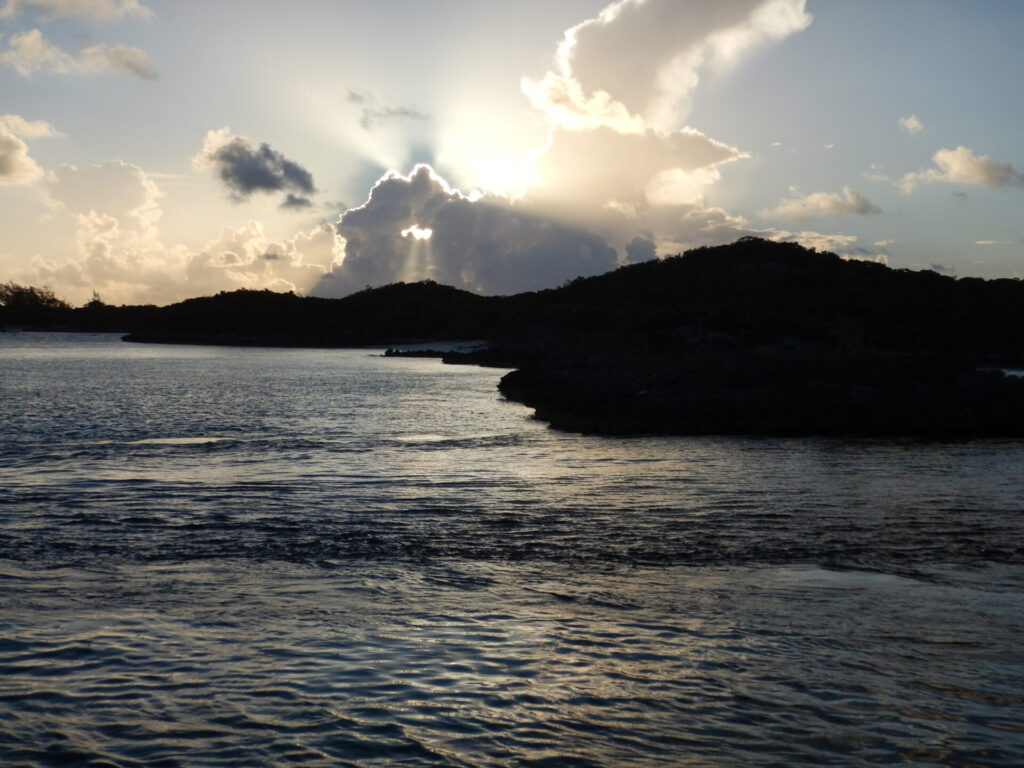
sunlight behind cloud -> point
(417, 232)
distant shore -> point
(756, 337)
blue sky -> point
(132, 156)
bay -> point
(219, 556)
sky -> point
(153, 150)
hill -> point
(752, 337)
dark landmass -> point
(435, 353)
(755, 337)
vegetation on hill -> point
(755, 337)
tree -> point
(96, 302)
(26, 297)
(26, 305)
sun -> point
(417, 232)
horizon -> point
(45, 289)
(127, 169)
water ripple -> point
(288, 557)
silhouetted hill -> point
(402, 312)
(766, 290)
(756, 336)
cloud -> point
(844, 246)
(641, 249)
(620, 178)
(16, 165)
(566, 104)
(911, 124)
(624, 186)
(991, 242)
(601, 165)
(617, 160)
(374, 114)
(116, 189)
(821, 242)
(119, 251)
(28, 129)
(245, 258)
(822, 204)
(962, 166)
(102, 10)
(245, 169)
(487, 244)
(291, 200)
(125, 265)
(29, 52)
(864, 254)
(638, 62)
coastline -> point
(756, 337)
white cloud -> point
(119, 251)
(617, 161)
(822, 204)
(16, 165)
(822, 242)
(115, 188)
(844, 246)
(579, 173)
(28, 129)
(962, 166)
(374, 114)
(565, 103)
(911, 124)
(640, 60)
(30, 52)
(245, 258)
(103, 10)
(990, 242)
(620, 178)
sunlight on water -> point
(178, 440)
(217, 557)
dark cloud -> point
(641, 249)
(295, 201)
(246, 170)
(374, 114)
(488, 245)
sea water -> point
(274, 557)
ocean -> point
(217, 556)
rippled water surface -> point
(246, 557)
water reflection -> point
(283, 557)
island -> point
(754, 337)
